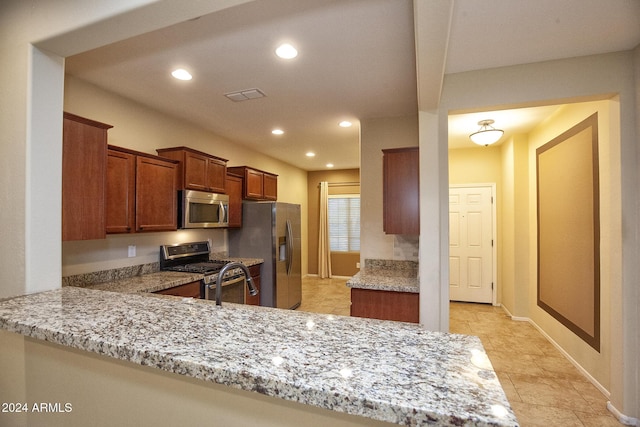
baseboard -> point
(332, 277)
(629, 421)
(583, 371)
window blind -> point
(344, 223)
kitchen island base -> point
(81, 388)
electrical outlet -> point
(357, 265)
(132, 251)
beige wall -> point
(143, 129)
(557, 82)
(376, 134)
(598, 364)
(342, 264)
(513, 258)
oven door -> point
(203, 210)
(233, 290)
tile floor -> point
(544, 389)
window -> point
(344, 223)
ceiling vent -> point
(245, 95)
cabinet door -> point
(253, 184)
(234, 190)
(190, 290)
(156, 195)
(84, 158)
(216, 175)
(120, 196)
(195, 172)
(401, 192)
(270, 186)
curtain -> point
(324, 250)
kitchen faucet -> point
(252, 289)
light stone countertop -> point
(388, 371)
(159, 281)
(383, 280)
(387, 275)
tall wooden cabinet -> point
(197, 170)
(84, 159)
(401, 191)
(141, 192)
(234, 190)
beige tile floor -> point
(544, 389)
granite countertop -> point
(385, 275)
(160, 280)
(389, 371)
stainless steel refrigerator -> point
(271, 231)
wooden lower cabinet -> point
(385, 305)
(255, 277)
(190, 290)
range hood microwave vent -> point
(245, 95)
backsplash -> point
(406, 247)
(86, 279)
(399, 268)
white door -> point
(471, 244)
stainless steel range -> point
(228, 279)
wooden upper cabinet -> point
(401, 191)
(141, 192)
(156, 197)
(270, 186)
(234, 190)
(121, 192)
(258, 185)
(197, 170)
(84, 160)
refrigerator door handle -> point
(289, 243)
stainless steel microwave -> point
(198, 209)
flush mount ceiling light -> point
(310, 154)
(277, 132)
(181, 74)
(329, 165)
(345, 124)
(286, 51)
(487, 134)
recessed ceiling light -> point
(277, 132)
(286, 51)
(345, 124)
(311, 154)
(181, 74)
(329, 165)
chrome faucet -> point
(252, 289)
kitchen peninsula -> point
(386, 290)
(122, 358)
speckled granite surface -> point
(142, 278)
(388, 371)
(387, 275)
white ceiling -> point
(356, 61)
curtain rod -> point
(342, 184)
